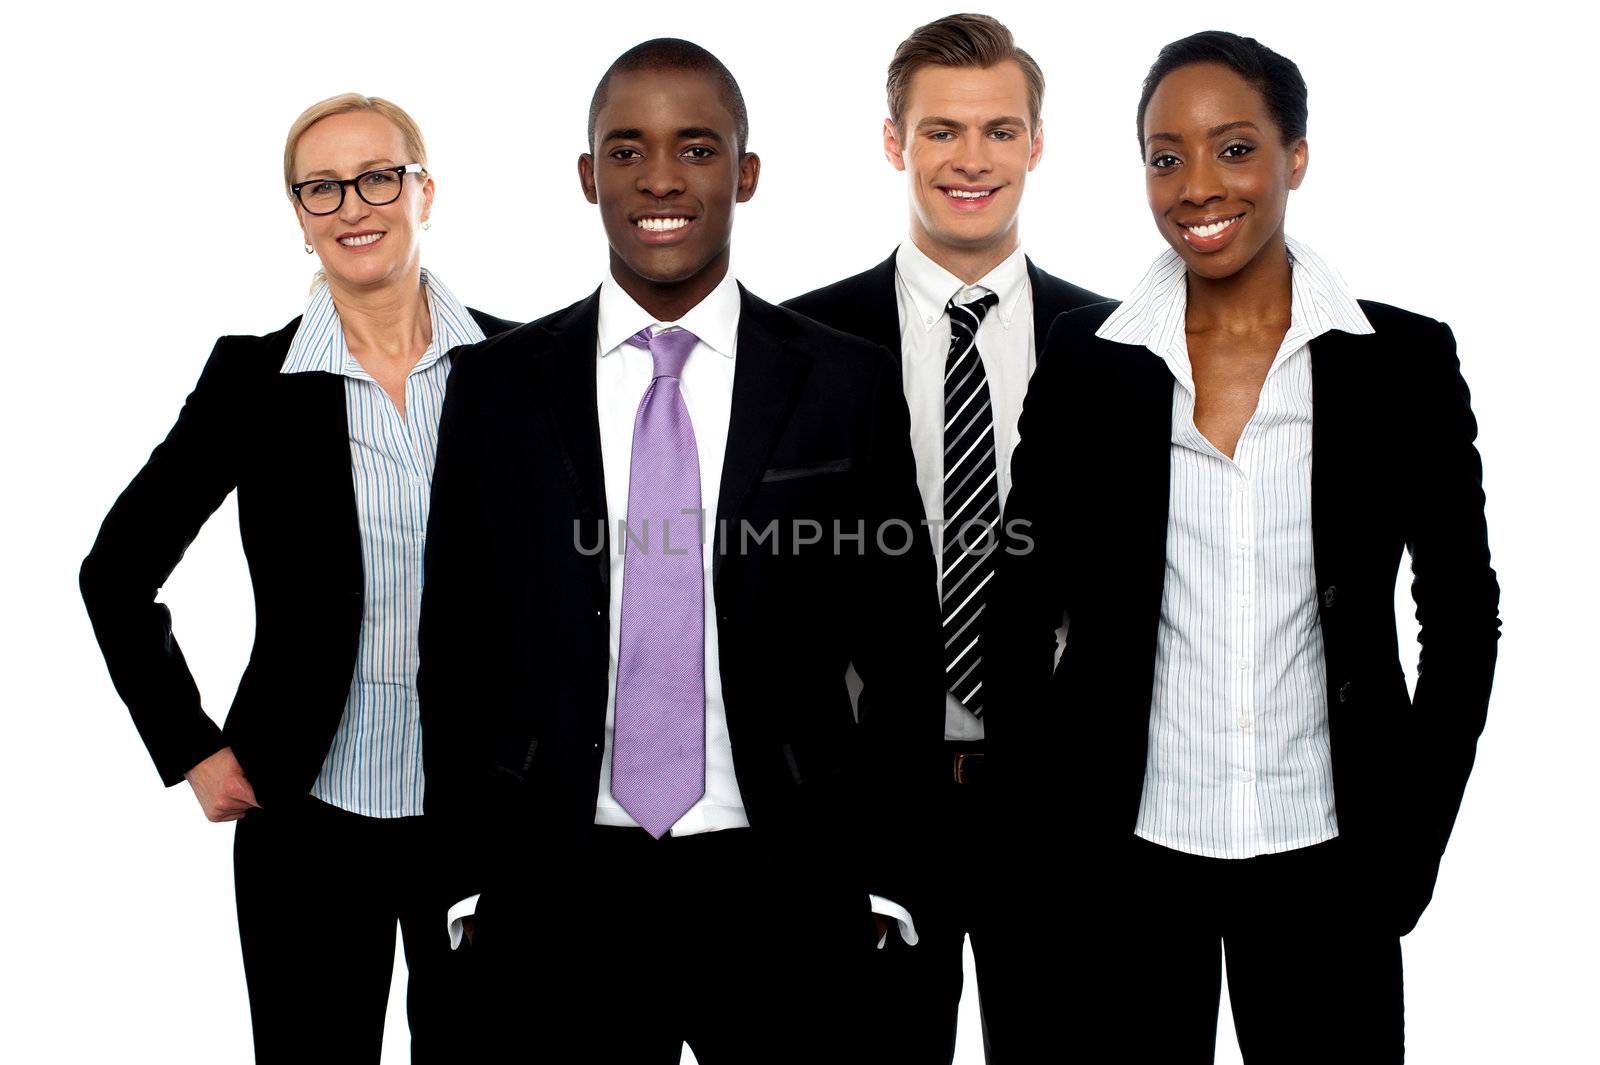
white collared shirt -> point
(1238, 761)
(374, 763)
(622, 375)
(1005, 341)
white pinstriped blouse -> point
(1238, 761)
(374, 765)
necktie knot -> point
(970, 315)
(669, 348)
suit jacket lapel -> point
(565, 383)
(1337, 434)
(766, 381)
(319, 458)
(1044, 307)
(1148, 433)
(880, 312)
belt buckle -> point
(961, 765)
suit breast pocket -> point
(812, 469)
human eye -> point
(1002, 135)
(1164, 161)
(325, 187)
(1238, 150)
(941, 135)
(624, 155)
(378, 179)
(699, 152)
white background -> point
(144, 216)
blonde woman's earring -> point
(427, 224)
(309, 249)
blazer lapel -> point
(1149, 467)
(880, 312)
(1337, 442)
(1044, 308)
(766, 382)
(319, 460)
(565, 382)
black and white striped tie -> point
(971, 502)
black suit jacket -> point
(283, 442)
(865, 305)
(515, 660)
(1394, 470)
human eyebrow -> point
(1004, 120)
(940, 122)
(628, 134)
(1217, 131)
(699, 132)
(362, 169)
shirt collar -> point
(1153, 315)
(931, 286)
(319, 343)
(714, 320)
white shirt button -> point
(1247, 776)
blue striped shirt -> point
(374, 765)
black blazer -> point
(1394, 470)
(865, 306)
(515, 611)
(282, 441)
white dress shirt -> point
(622, 374)
(1239, 761)
(1005, 341)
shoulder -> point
(1412, 348)
(240, 356)
(1053, 293)
(830, 350)
(1397, 323)
(491, 325)
(509, 350)
(1075, 330)
(846, 296)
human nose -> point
(972, 156)
(1202, 182)
(354, 208)
(661, 177)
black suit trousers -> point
(619, 948)
(1312, 961)
(968, 893)
(319, 892)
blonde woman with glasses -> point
(327, 430)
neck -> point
(970, 264)
(389, 320)
(668, 301)
(1258, 295)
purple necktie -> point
(658, 746)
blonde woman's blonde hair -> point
(344, 104)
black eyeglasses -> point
(376, 187)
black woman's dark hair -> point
(1275, 77)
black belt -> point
(967, 762)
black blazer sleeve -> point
(147, 531)
(1457, 601)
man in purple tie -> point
(665, 520)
